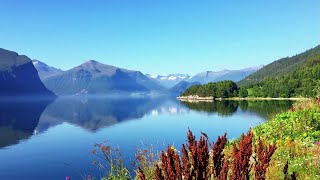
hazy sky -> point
(160, 36)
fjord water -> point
(53, 139)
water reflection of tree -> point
(268, 108)
(223, 108)
(227, 108)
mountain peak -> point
(11, 59)
(44, 70)
(92, 65)
(91, 61)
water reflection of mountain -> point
(170, 106)
(18, 119)
(227, 108)
(95, 113)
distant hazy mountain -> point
(18, 76)
(281, 67)
(93, 77)
(145, 81)
(44, 70)
(234, 75)
(182, 86)
(170, 80)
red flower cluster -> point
(218, 155)
(171, 164)
(241, 166)
(264, 157)
(196, 158)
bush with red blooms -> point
(200, 162)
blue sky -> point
(160, 36)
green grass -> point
(295, 133)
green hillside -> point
(281, 67)
(302, 80)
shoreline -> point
(212, 99)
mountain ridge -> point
(18, 76)
(214, 76)
(93, 77)
(280, 67)
(45, 70)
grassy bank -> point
(285, 147)
(296, 134)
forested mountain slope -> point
(303, 82)
(281, 67)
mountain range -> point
(21, 75)
(93, 77)
(170, 80)
(214, 76)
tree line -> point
(221, 89)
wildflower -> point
(89, 177)
(292, 109)
(264, 158)
(141, 174)
(189, 153)
(68, 178)
(242, 157)
(173, 148)
(218, 155)
(93, 151)
(317, 143)
(105, 148)
(185, 163)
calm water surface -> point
(52, 140)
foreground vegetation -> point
(285, 147)
(297, 136)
